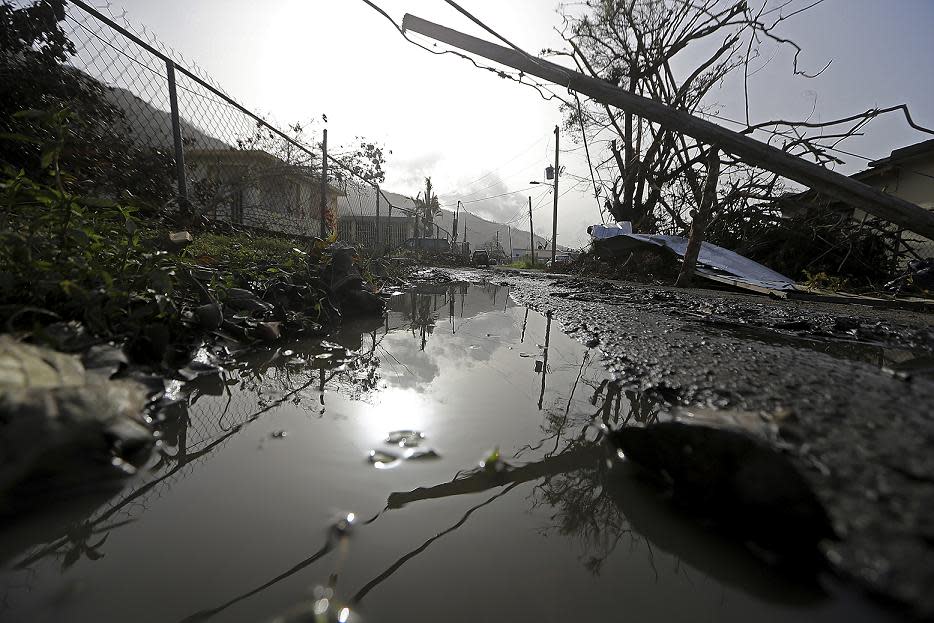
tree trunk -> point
(699, 224)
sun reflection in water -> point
(393, 409)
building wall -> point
(912, 181)
(361, 230)
(244, 194)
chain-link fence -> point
(230, 164)
(144, 122)
(222, 161)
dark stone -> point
(341, 274)
(209, 316)
(734, 479)
(361, 302)
(244, 300)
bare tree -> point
(679, 52)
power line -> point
(497, 182)
(521, 153)
(512, 192)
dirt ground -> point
(850, 389)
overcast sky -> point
(478, 135)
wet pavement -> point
(442, 463)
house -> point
(254, 188)
(357, 216)
(907, 173)
(249, 187)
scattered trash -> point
(343, 524)
(382, 460)
(197, 369)
(405, 438)
(600, 231)
(712, 261)
(493, 462)
(420, 454)
(179, 239)
(62, 425)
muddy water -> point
(246, 511)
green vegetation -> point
(823, 281)
(86, 215)
(76, 256)
(242, 249)
(525, 262)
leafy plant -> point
(823, 281)
(79, 256)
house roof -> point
(906, 153)
(876, 167)
(359, 200)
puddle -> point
(499, 504)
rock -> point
(104, 359)
(341, 273)
(361, 303)
(269, 331)
(244, 300)
(60, 426)
(209, 316)
(733, 477)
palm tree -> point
(428, 208)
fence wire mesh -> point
(238, 168)
(155, 125)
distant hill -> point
(480, 230)
(152, 127)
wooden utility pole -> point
(324, 184)
(509, 233)
(746, 148)
(531, 233)
(389, 229)
(554, 223)
(701, 218)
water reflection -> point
(229, 526)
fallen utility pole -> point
(750, 150)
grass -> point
(526, 264)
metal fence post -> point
(324, 184)
(389, 230)
(377, 218)
(177, 138)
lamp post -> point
(457, 211)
